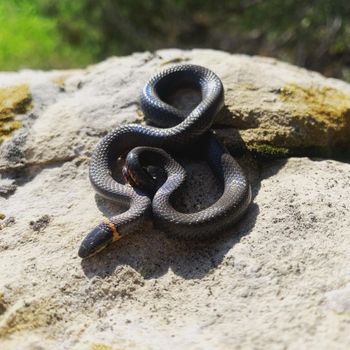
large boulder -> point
(279, 279)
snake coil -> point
(153, 175)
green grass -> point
(28, 39)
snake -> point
(152, 175)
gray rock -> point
(277, 280)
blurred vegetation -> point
(66, 33)
(31, 39)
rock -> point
(271, 108)
(339, 300)
(279, 279)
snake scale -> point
(153, 176)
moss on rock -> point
(266, 150)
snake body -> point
(174, 131)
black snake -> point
(152, 175)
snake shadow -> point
(152, 253)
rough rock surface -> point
(280, 279)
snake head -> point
(143, 169)
(98, 238)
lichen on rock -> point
(323, 112)
(27, 316)
(13, 100)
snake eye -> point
(96, 240)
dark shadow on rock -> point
(232, 140)
(152, 254)
(268, 168)
(344, 158)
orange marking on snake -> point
(115, 233)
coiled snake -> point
(152, 175)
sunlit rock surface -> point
(279, 279)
